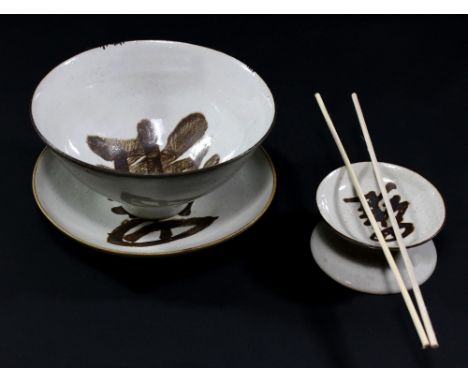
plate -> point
(92, 219)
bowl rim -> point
(392, 245)
(111, 171)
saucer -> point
(364, 269)
(94, 220)
(418, 206)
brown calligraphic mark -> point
(381, 214)
(214, 160)
(131, 231)
(143, 154)
(187, 210)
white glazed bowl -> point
(153, 124)
(418, 206)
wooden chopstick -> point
(370, 216)
(404, 253)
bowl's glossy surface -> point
(113, 95)
(153, 123)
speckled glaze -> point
(154, 197)
(364, 269)
(108, 93)
(419, 206)
(94, 220)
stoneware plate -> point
(98, 222)
(365, 269)
(419, 207)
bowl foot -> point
(161, 212)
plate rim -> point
(129, 253)
(391, 246)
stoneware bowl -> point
(153, 125)
(418, 206)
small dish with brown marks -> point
(418, 206)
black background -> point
(259, 299)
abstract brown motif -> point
(143, 155)
(381, 215)
(130, 232)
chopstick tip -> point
(430, 346)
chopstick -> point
(404, 253)
(391, 262)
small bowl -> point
(418, 206)
(153, 124)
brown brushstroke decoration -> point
(181, 165)
(187, 132)
(187, 210)
(213, 161)
(143, 154)
(381, 214)
(148, 141)
(140, 227)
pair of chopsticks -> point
(426, 333)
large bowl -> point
(153, 124)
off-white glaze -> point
(426, 209)
(107, 91)
(364, 269)
(86, 215)
(154, 197)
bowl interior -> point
(127, 95)
(418, 205)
